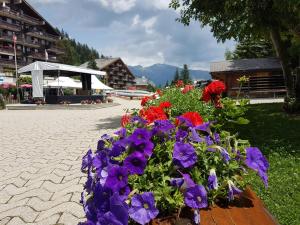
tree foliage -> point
(75, 52)
(251, 48)
(241, 19)
(185, 74)
(92, 64)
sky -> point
(141, 32)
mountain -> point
(161, 73)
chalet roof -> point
(32, 12)
(245, 65)
(102, 63)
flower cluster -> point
(213, 91)
(156, 164)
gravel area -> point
(40, 159)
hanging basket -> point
(245, 210)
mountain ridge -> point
(161, 73)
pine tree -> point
(167, 84)
(92, 64)
(176, 77)
(185, 74)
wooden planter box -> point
(248, 209)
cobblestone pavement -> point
(40, 159)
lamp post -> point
(16, 66)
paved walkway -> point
(40, 160)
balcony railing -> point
(56, 50)
(9, 26)
(6, 11)
(11, 63)
(43, 35)
(20, 40)
(9, 51)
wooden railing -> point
(6, 11)
(9, 26)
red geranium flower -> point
(125, 120)
(216, 87)
(187, 89)
(193, 117)
(164, 105)
(153, 113)
(206, 95)
(145, 100)
(159, 92)
(179, 83)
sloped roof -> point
(245, 65)
(102, 63)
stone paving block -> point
(26, 213)
(4, 197)
(11, 189)
(69, 207)
(72, 189)
(16, 221)
(50, 177)
(52, 187)
(69, 219)
(39, 205)
(51, 220)
(39, 193)
(4, 220)
(8, 206)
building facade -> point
(265, 77)
(143, 83)
(118, 74)
(35, 37)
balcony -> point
(11, 63)
(9, 51)
(20, 41)
(7, 12)
(54, 49)
(43, 35)
(9, 26)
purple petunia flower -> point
(176, 182)
(140, 135)
(121, 133)
(88, 186)
(135, 163)
(163, 127)
(204, 127)
(117, 178)
(100, 161)
(209, 141)
(100, 145)
(102, 197)
(138, 120)
(196, 197)
(119, 209)
(225, 154)
(146, 148)
(233, 190)
(124, 192)
(217, 138)
(184, 155)
(143, 208)
(119, 147)
(185, 121)
(181, 135)
(212, 180)
(108, 218)
(256, 161)
(188, 182)
(87, 160)
(195, 136)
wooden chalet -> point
(118, 74)
(265, 76)
(35, 38)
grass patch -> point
(278, 136)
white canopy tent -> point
(98, 85)
(67, 82)
(64, 82)
(37, 72)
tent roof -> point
(66, 82)
(56, 66)
(98, 85)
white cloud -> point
(118, 6)
(136, 20)
(149, 24)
